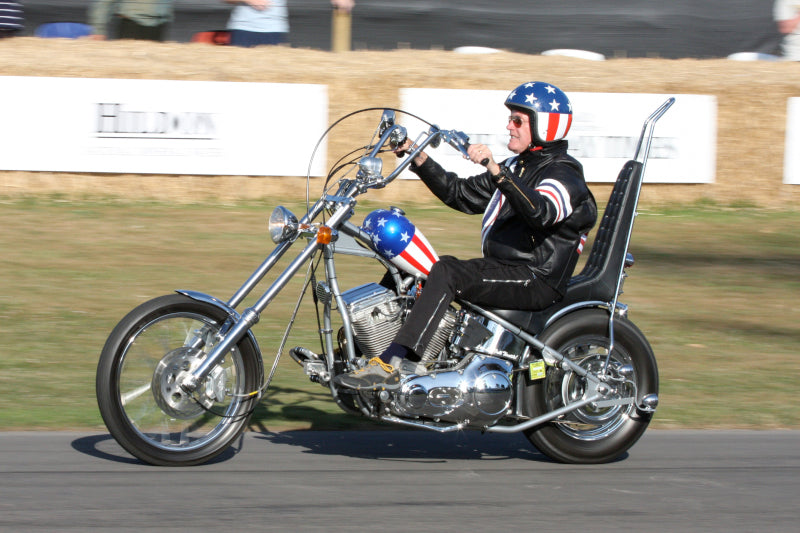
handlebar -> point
(370, 166)
(460, 141)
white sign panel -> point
(161, 127)
(604, 134)
(791, 157)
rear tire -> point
(590, 434)
(139, 400)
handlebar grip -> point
(460, 142)
(465, 144)
(484, 161)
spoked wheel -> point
(138, 394)
(593, 433)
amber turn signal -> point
(324, 235)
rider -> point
(536, 210)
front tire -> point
(140, 401)
(591, 434)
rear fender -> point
(588, 304)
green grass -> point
(715, 289)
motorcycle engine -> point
(377, 314)
(472, 387)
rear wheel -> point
(140, 400)
(592, 434)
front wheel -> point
(592, 434)
(139, 398)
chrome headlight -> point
(283, 225)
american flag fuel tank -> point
(399, 241)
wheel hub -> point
(168, 394)
(573, 387)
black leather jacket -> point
(542, 228)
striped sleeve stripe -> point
(558, 195)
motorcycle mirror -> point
(437, 137)
(283, 225)
(398, 137)
(387, 121)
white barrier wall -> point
(161, 127)
(271, 129)
(604, 134)
(791, 158)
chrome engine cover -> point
(477, 394)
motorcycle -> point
(180, 375)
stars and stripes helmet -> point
(547, 107)
(398, 240)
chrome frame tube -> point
(327, 324)
(552, 415)
(533, 341)
(333, 283)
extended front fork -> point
(190, 380)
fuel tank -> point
(396, 239)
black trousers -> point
(483, 281)
(128, 29)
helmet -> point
(547, 107)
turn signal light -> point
(324, 235)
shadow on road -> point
(404, 445)
(408, 445)
(105, 447)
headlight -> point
(283, 225)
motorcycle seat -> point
(598, 279)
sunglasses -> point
(516, 120)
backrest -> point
(599, 276)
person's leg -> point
(249, 39)
(129, 29)
(383, 371)
(430, 307)
(486, 282)
(495, 283)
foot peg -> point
(314, 366)
(303, 355)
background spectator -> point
(11, 18)
(134, 19)
(787, 14)
(265, 22)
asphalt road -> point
(404, 481)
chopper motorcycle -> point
(180, 376)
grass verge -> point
(715, 290)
